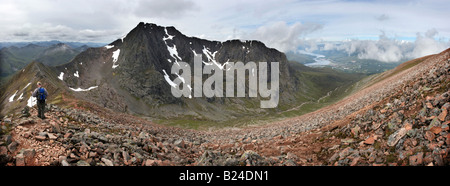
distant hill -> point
(50, 43)
(15, 56)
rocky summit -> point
(398, 118)
(129, 73)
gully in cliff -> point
(214, 84)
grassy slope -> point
(370, 80)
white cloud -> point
(107, 20)
(426, 45)
(390, 49)
(82, 20)
(174, 9)
(282, 36)
(46, 31)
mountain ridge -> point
(14, 58)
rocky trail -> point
(401, 120)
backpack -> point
(41, 94)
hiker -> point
(41, 94)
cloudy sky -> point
(282, 24)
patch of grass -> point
(377, 145)
(341, 135)
(57, 100)
(391, 158)
(187, 122)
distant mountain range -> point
(50, 43)
(15, 56)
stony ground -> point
(402, 120)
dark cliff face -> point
(148, 47)
(130, 70)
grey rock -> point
(423, 112)
(396, 136)
(8, 139)
(12, 147)
(411, 133)
(435, 112)
(20, 160)
(334, 157)
(43, 134)
(107, 162)
(344, 153)
(253, 158)
(56, 128)
(26, 112)
(179, 143)
(80, 163)
(289, 162)
(231, 162)
(28, 153)
(64, 163)
(434, 123)
(126, 156)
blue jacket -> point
(35, 92)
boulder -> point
(396, 136)
(107, 162)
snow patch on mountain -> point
(173, 52)
(109, 46)
(82, 90)
(20, 97)
(168, 36)
(11, 99)
(61, 76)
(167, 78)
(115, 57)
(212, 58)
(31, 101)
(26, 86)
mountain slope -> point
(57, 54)
(400, 120)
(129, 75)
(408, 127)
